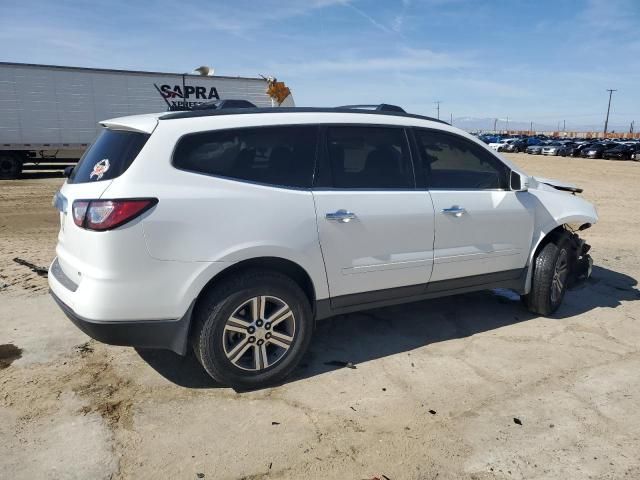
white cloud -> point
(406, 60)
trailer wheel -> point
(10, 166)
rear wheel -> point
(252, 330)
(550, 276)
(10, 166)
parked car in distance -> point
(232, 232)
(576, 149)
(597, 149)
(536, 149)
(552, 148)
(566, 149)
(619, 152)
(519, 145)
(502, 144)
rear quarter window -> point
(109, 156)
(279, 155)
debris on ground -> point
(517, 421)
(8, 354)
(340, 363)
(200, 475)
(275, 423)
(432, 412)
(84, 348)
(42, 271)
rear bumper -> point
(164, 334)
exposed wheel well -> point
(274, 264)
(552, 236)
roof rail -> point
(383, 107)
(239, 111)
(221, 104)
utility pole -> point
(531, 127)
(564, 125)
(631, 126)
(495, 122)
(606, 122)
(438, 102)
(507, 125)
(451, 122)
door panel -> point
(388, 244)
(490, 232)
(376, 229)
(481, 226)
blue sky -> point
(542, 61)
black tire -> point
(10, 166)
(542, 299)
(219, 303)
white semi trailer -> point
(49, 114)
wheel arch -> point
(552, 233)
(276, 264)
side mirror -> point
(518, 182)
(67, 171)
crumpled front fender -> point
(554, 209)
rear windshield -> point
(109, 156)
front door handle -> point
(456, 211)
(342, 216)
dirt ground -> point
(467, 387)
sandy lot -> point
(435, 394)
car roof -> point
(248, 111)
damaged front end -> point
(581, 261)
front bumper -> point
(163, 334)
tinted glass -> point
(109, 156)
(369, 157)
(283, 156)
(450, 161)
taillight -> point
(103, 215)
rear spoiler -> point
(134, 123)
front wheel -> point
(252, 330)
(549, 281)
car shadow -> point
(363, 336)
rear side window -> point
(369, 157)
(282, 156)
(453, 162)
(109, 156)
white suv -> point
(233, 231)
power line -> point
(606, 122)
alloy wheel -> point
(560, 274)
(259, 333)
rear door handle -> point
(455, 210)
(342, 216)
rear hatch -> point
(114, 150)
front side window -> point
(282, 156)
(453, 162)
(369, 158)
